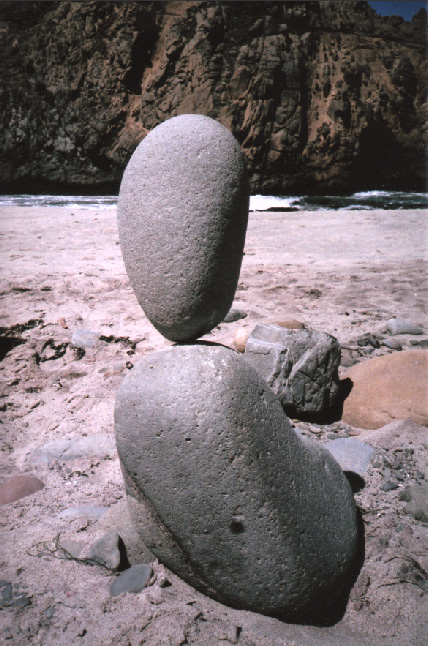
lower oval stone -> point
(225, 493)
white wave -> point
(265, 202)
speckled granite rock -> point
(182, 212)
(223, 491)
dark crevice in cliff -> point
(141, 53)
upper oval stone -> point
(182, 213)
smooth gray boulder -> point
(224, 492)
(182, 214)
(301, 367)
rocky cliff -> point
(322, 96)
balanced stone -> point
(182, 214)
(224, 492)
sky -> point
(404, 8)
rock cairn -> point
(220, 487)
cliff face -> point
(322, 96)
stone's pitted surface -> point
(300, 365)
(388, 388)
(182, 212)
(223, 491)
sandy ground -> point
(344, 272)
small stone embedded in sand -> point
(108, 551)
(352, 454)
(416, 497)
(386, 388)
(182, 214)
(134, 579)
(223, 491)
(17, 487)
(101, 445)
(84, 339)
(301, 367)
(234, 315)
(398, 326)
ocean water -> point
(357, 201)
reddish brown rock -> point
(387, 388)
(322, 96)
(17, 487)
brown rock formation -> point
(323, 96)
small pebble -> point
(134, 579)
(22, 602)
(49, 612)
(389, 486)
(234, 315)
(377, 465)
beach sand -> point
(342, 272)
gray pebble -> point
(87, 511)
(106, 551)
(389, 486)
(49, 612)
(83, 339)
(101, 445)
(399, 326)
(392, 344)
(234, 315)
(6, 592)
(22, 602)
(134, 579)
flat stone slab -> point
(352, 454)
(86, 511)
(182, 215)
(20, 486)
(101, 445)
(388, 388)
(399, 326)
(224, 492)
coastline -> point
(334, 269)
